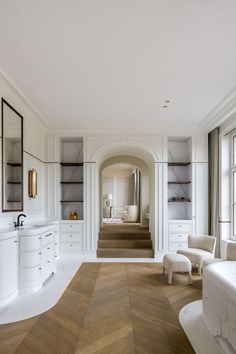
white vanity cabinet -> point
(8, 267)
(71, 236)
(36, 257)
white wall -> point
(34, 153)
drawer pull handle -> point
(40, 238)
(16, 241)
(40, 268)
(48, 235)
(179, 235)
(70, 245)
(179, 225)
(40, 252)
(49, 261)
(48, 248)
(70, 235)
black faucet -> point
(17, 223)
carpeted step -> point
(125, 253)
(144, 235)
(124, 244)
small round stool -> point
(177, 263)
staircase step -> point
(125, 253)
(144, 235)
(124, 244)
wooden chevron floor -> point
(109, 308)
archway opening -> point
(124, 193)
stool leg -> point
(190, 277)
(163, 270)
(169, 277)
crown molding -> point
(222, 111)
(172, 130)
(17, 94)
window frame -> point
(233, 184)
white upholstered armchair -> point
(199, 249)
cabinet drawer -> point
(30, 259)
(180, 227)
(177, 246)
(70, 237)
(48, 253)
(30, 243)
(71, 227)
(178, 237)
(71, 247)
(30, 275)
(48, 237)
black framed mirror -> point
(12, 158)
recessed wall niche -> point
(72, 179)
(179, 179)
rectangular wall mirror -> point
(12, 158)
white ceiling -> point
(112, 63)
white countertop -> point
(28, 229)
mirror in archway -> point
(12, 158)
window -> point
(233, 184)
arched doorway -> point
(143, 159)
(99, 151)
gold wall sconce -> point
(32, 182)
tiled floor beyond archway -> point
(114, 308)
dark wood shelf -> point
(179, 201)
(179, 182)
(71, 182)
(179, 163)
(71, 201)
(14, 164)
(66, 164)
(11, 182)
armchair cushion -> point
(196, 255)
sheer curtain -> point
(213, 140)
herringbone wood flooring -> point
(109, 308)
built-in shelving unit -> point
(179, 179)
(71, 177)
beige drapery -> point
(213, 141)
